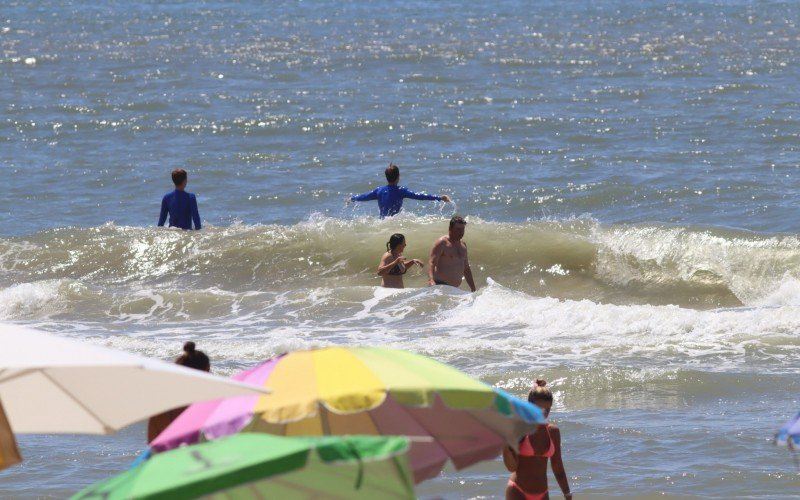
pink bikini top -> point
(526, 449)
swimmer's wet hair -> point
(178, 176)
(392, 172)
(394, 240)
(457, 219)
(539, 392)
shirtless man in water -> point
(449, 263)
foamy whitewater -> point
(629, 172)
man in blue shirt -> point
(179, 204)
(390, 197)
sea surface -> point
(629, 171)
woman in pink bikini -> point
(529, 467)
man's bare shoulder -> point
(438, 247)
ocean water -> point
(629, 171)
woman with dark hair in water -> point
(529, 467)
(393, 265)
(191, 358)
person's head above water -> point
(457, 219)
(392, 173)
(457, 227)
(179, 177)
(192, 358)
(395, 241)
(541, 396)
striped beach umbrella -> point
(367, 390)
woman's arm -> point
(557, 463)
(510, 459)
(387, 263)
(411, 262)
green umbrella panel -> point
(250, 465)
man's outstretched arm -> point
(407, 193)
(368, 196)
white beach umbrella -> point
(50, 384)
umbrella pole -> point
(323, 419)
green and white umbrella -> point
(249, 465)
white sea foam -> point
(787, 293)
(494, 330)
(26, 300)
(559, 331)
(749, 266)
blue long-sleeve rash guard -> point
(182, 209)
(390, 198)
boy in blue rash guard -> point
(390, 197)
(179, 204)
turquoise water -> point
(628, 169)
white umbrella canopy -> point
(55, 385)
